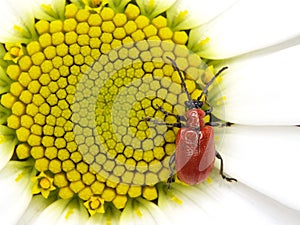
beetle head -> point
(194, 104)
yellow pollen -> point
(139, 213)
(13, 71)
(69, 213)
(19, 177)
(132, 11)
(42, 27)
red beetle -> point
(195, 148)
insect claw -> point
(170, 180)
(229, 179)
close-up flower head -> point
(154, 112)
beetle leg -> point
(208, 112)
(229, 179)
(179, 125)
(170, 179)
(213, 124)
(216, 124)
(178, 117)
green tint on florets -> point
(79, 94)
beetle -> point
(195, 148)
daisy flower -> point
(78, 78)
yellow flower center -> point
(80, 94)
(95, 204)
(45, 183)
(15, 51)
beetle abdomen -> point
(195, 154)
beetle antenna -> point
(181, 78)
(204, 92)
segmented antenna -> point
(204, 92)
(181, 78)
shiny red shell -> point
(195, 149)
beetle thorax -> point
(195, 118)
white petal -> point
(4, 80)
(37, 205)
(279, 214)
(6, 152)
(251, 25)
(152, 8)
(57, 9)
(199, 12)
(223, 203)
(140, 211)
(262, 89)
(111, 217)
(184, 203)
(266, 159)
(63, 212)
(21, 16)
(15, 191)
(7, 145)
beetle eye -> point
(191, 105)
(187, 104)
